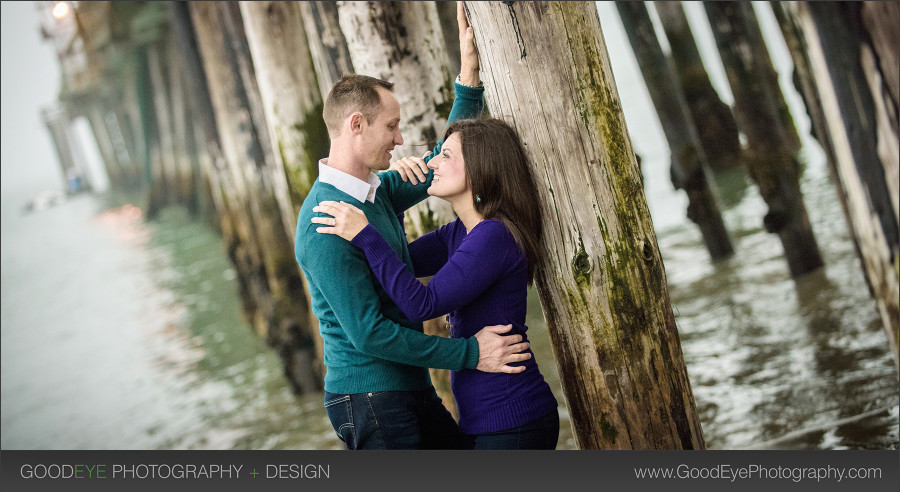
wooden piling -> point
(123, 123)
(447, 20)
(164, 171)
(288, 327)
(56, 119)
(95, 114)
(401, 42)
(145, 132)
(292, 107)
(185, 191)
(764, 62)
(327, 45)
(290, 97)
(259, 246)
(713, 118)
(689, 166)
(202, 135)
(602, 282)
(773, 164)
(856, 109)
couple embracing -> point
(362, 275)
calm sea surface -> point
(118, 333)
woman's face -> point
(450, 181)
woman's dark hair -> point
(501, 178)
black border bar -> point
(434, 471)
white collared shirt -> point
(361, 190)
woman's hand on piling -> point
(346, 220)
(412, 169)
(468, 73)
(496, 351)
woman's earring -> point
(477, 199)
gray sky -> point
(30, 80)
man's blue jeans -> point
(394, 420)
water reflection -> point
(242, 389)
(770, 357)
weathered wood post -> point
(802, 75)
(146, 132)
(147, 32)
(713, 119)
(602, 282)
(764, 62)
(805, 84)
(260, 249)
(755, 53)
(127, 119)
(173, 180)
(185, 191)
(327, 45)
(290, 97)
(773, 164)
(447, 20)
(164, 172)
(880, 61)
(116, 121)
(688, 160)
(202, 122)
(288, 329)
(293, 111)
(56, 120)
(402, 42)
(124, 148)
(95, 113)
(240, 243)
(850, 88)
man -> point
(378, 394)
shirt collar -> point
(363, 191)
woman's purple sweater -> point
(481, 279)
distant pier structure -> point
(59, 24)
(69, 155)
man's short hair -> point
(351, 94)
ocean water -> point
(123, 334)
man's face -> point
(382, 134)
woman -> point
(482, 264)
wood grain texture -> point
(290, 100)
(715, 123)
(602, 282)
(689, 163)
(401, 42)
(271, 287)
(840, 86)
(772, 161)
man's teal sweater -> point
(369, 344)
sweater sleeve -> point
(473, 268)
(353, 299)
(467, 103)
